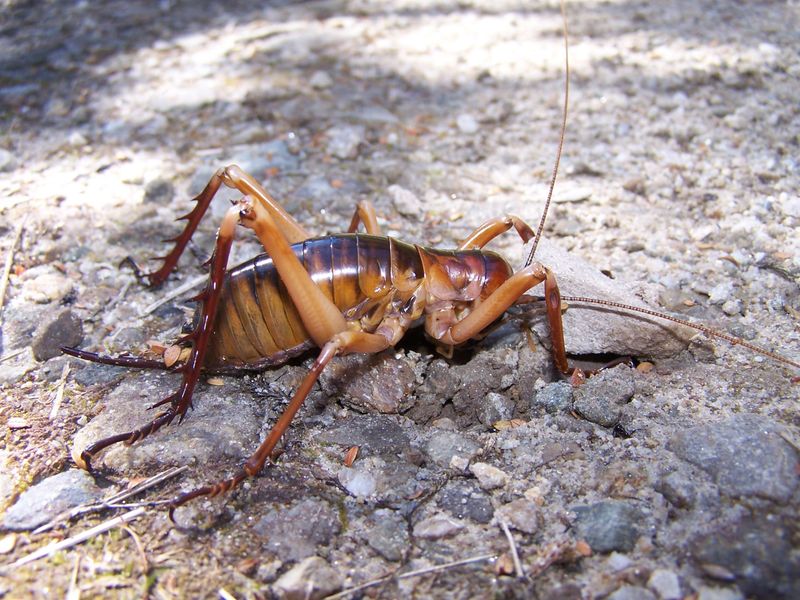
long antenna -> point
(709, 331)
(540, 228)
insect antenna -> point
(542, 220)
(709, 331)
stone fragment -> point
(632, 592)
(553, 398)
(311, 579)
(609, 525)
(49, 498)
(294, 533)
(465, 500)
(388, 535)
(601, 398)
(344, 140)
(759, 551)
(437, 527)
(745, 455)
(489, 477)
(599, 331)
(496, 407)
(521, 514)
(159, 191)
(665, 584)
(405, 202)
(443, 445)
(65, 329)
(223, 427)
(45, 284)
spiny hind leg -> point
(233, 177)
(179, 402)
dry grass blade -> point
(74, 592)
(182, 289)
(417, 573)
(10, 260)
(113, 501)
(74, 540)
(513, 545)
(59, 392)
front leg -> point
(499, 302)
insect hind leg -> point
(233, 177)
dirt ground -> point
(678, 185)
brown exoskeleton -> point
(341, 293)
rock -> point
(295, 533)
(381, 480)
(7, 161)
(665, 584)
(371, 383)
(601, 398)
(553, 398)
(496, 407)
(489, 477)
(437, 527)
(466, 123)
(373, 434)
(388, 534)
(678, 489)
(744, 454)
(718, 593)
(759, 550)
(463, 499)
(632, 592)
(344, 140)
(590, 331)
(358, 481)
(609, 525)
(320, 80)
(223, 427)
(311, 579)
(45, 284)
(50, 497)
(65, 329)
(521, 514)
(159, 191)
(405, 202)
(443, 445)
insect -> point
(341, 293)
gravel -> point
(678, 188)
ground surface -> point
(680, 174)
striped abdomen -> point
(257, 323)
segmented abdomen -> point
(258, 325)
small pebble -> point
(320, 80)
(311, 579)
(437, 527)
(467, 123)
(489, 477)
(665, 584)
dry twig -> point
(181, 289)
(514, 553)
(417, 573)
(115, 500)
(74, 540)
